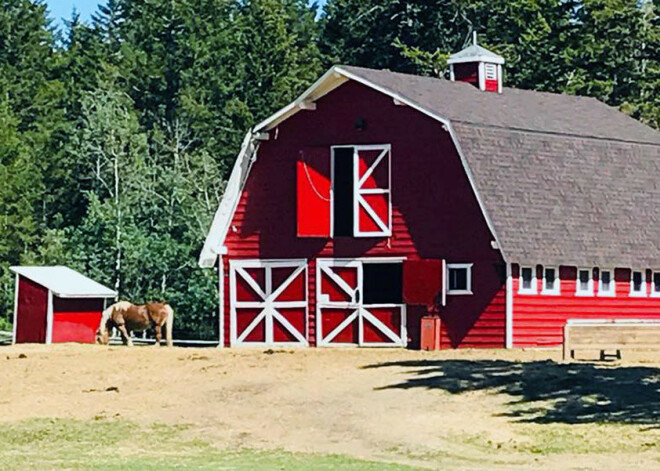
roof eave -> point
(481, 58)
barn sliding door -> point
(351, 309)
(268, 302)
(372, 209)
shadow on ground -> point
(545, 391)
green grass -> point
(122, 445)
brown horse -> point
(127, 317)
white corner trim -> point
(221, 307)
(15, 325)
(49, 318)
(509, 307)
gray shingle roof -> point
(564, 179)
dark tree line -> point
(116, 135)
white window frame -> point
(556, 288)
(534, 287)
(357, 192)
(654, 293)
(460, 266)
(590, 283)
(644, 289)
(611, 293)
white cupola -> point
(478, 66)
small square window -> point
(638, 283)
(459, 278)
(606, 283)
(550, 281)
(655, 287)
(527, 280)
(584, 285)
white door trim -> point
(268, 305)
(361, 311)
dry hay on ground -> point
(462, 409)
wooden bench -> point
(616, 334)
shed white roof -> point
(65, 282)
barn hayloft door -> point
(372, 206)
(360, 302)
(268, 302)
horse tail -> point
(170, 324)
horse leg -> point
(158, 330)
(124, 335)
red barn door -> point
(345, 313)
(32, 312)
(268, 302)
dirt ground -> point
(446, 410)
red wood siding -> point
(32, 312)
(538, 319)
(76, 320)
(435, 214)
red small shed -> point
(56, 304)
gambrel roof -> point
(560, 179)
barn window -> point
(361, 191)
(584, 285)
(606, 283)
(459, 278)
(655, 287)
(550, 281)
(382, 283)
(527, 281)
(637, 283)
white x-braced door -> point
(372, 208)
(343, 318)
(268, 302)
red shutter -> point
(313, 175)
(423, 282)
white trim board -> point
(332, 79)
(15, 325)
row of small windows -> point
(584, 282)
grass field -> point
(122, 445)
(87, 407)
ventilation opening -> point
(343, 192)
(382, 283)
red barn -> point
(377, 197)
(57, 304)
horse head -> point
(102, 336)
